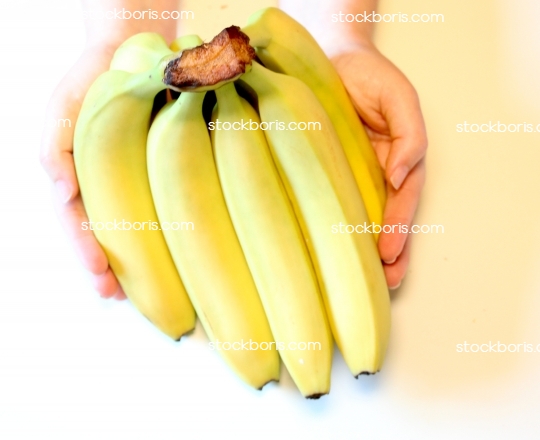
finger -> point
(73, 217)
(56, 152)
(74, 220)
(396, 272)
(120, 295)
(381, 144)
(408, 134)
(399, 213)
(107, 285)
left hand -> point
(56, 156)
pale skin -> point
(389, 108)
(384, 98)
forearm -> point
(322, 18)
(104, 27)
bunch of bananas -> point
(261, 267)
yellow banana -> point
(285, 46)
(321, 186)
(185, 42)
(186, 188)
(110, 160)
(273, 245)
(140, 53)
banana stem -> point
(210, 65)
(258, 78)
(189, 102)
(227, 97)
(147, 84)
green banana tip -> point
(210, 65)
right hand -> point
(56, 156)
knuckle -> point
(96, 265)
(46, 160)
(423, 142)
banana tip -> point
(316, 396)
(366, 373)
(187, 333)
(266, 383)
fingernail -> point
(390, 261)
(119, 295)
(64, 190)
(395, 287)
(398, 176)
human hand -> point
(390, 110)
(56, 157)
(104, 35)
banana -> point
(185, 187)
(273, 245)
(110, 161)
(208, 66)
(185, 42)
(285, 46)
(321, 186)
(140, 53)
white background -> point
(75, 366)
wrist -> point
(111, 22)
(102, 48)
(345, 41)
(107, 35)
